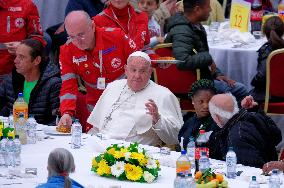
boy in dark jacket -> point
(190, 45)
(38, 80)
(253, 135)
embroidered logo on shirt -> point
(132, 44)
(78, 60)
(15, 9)
(19, 22)
(115, 62)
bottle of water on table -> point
(253, 183)
(3, 153)
(18, 148)
(204, 162)
(10, 148)
(191, 153)
(274, 180)
(231, 163)
(76, 131)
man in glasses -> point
(96, 55)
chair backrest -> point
(274, 75)
(178, 81)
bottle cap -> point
(203, 153)
(16, 136)
(231, 149)
(202, 131)
(183, 152)
(253, 178)
(189, 175)
(20, 95)
(275, 171)
(10, 138)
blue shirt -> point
(58, 182)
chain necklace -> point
(117, 104)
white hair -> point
(223, 114)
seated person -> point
(60, 163)
(273, 30)
(267, 167)
(201, 92)
(253, 135)
(38, 79)
(120, 112)
(120, 14)
(190, 45)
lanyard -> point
(100, 66)
(129, 17)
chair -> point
(274, 82)
(178, 81)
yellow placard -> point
(240, 14)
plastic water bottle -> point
(11, 120)
(204, 162)
(31, 130)
(177, 180)
(191, 153)
(10, 146)
(183, 164)
(231, 163)
(3, 151)
(201, 145)
(76, 134)
(2, 156)
(274, 180)
(18, 148)
(253, 183)
(190, 183)
(21, 128)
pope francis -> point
(136, 109)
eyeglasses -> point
(80, 36)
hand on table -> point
(229, 81)
(267, 167)
(65, 120)
(153, 111)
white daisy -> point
(117, 169)
(127, 156)
(151, 164)
(148, 177)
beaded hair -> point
(202, 84)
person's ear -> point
(37, 60)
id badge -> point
(101, 83)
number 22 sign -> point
(240, 14)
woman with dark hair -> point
(60, 163)
(201, 92)
(38, 80)
(273, 29)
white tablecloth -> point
(237, 63)
(35, 156)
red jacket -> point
(115, 48)
(137, 27)
(19, 19)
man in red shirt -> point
(19, 20)
(120, 14)
(97, 55)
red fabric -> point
(276, 83)
(82, 112)
(115, 46)
(23, 18)
(138, 24)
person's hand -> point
(60, 29)
(171, 6)
(213, 67)
(164, 65)
(161, 39)
(12, 47)
(65, 120)
(267, 167)
(229, 81)
(153, 111)
(248, 102)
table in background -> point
(237, 63)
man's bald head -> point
(223, 107)
(77, 17)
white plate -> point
(52, 130)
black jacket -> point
(44, 99)
(253, 136)
(187, 37)
(192, 127)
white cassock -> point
(128, 119)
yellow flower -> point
(124, 150)
(103, 168)
(139, 156)
(143, 162)
(133, 172)
(94, 163)
(1, 133)
(158, 163)
(118, 154)
(111, 151)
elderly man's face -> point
(81, 35)
(138, 72)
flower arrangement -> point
(126, 163)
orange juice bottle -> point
(20, 107)
(281, 9)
